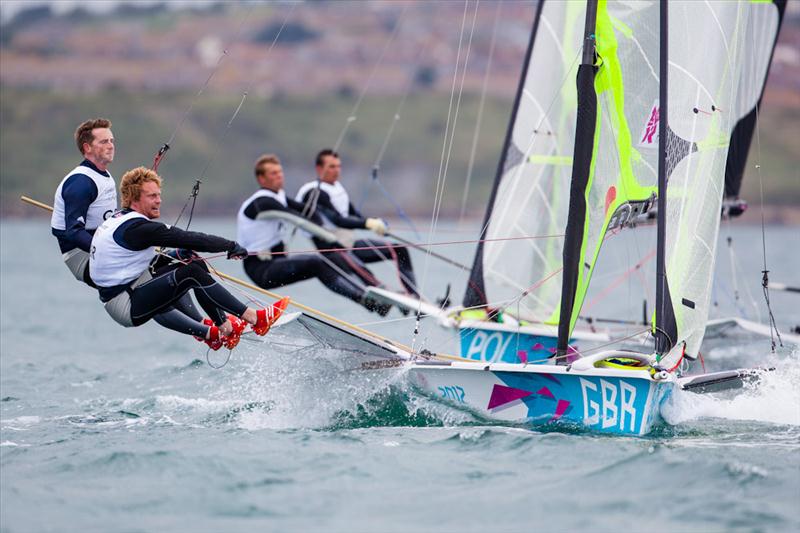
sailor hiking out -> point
(327, 197)
(135, 284)
(261, 224)
(86, 196)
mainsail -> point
(762, 27)
(634, 90)
(530, 193)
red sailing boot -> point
(232, 339)
(214, 339)
(267, 317)
(206, 322)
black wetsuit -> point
(367, 250)
(172, 280)
(281, 270)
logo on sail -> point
(649, 137)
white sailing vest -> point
(337, 193)
(103, 206)
(109, 263)
(260, 235)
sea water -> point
(104, 428)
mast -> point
(585, 125)
(475, 295)
(662, 342)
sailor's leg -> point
(164, 290)
(186, 306)
(406, 270)
(77, 262)
(216, 314)
(371, 251)
(281, 272)
(176, 320)
(347, 262)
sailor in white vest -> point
(326, 196)
(134, 289)
(85, 197)
(260, 229)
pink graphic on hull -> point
(551, 378)
(561, 408)
(502, 395)
(544, 391)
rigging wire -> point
(446, 151)
(310, 206)
(166, 146)
(773, 327)
(377, 164)
(479, 119)
(212, 156)
(353, 114)
(537, 129)
(394, 245)
(215, 151)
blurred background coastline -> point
(142, 65)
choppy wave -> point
(774, 399)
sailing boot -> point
(231, 340)
(267, 317)
(374, 306)
(214, 341)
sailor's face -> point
(272, 177)
(149, 202)
(101, 150)
(330, 169)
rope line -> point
(166, 146)
(397, 245)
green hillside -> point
(37, 149)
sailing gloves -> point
(237, 251)
(377, 225)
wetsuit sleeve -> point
(350, 222)
(353, 212)
(78, 192)
(141, 234)
(264, 203)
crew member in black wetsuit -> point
(328, 197)
(85, 198)
(260, 227)
(122, 251)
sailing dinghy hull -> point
(493, 342)
(624, 402)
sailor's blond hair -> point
(130, 188)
